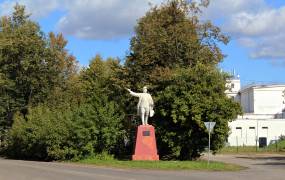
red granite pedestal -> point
(145, 144)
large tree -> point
(76, 122)
(171, 36)
(31, 64)
(176, 55)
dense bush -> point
(93, 128)
(96, 128)
(42, 134)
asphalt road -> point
(265, 167)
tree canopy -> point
(32, 65)
(176, 55)
(49, 109)
(171, 36)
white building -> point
(263, 120)
(262, 99)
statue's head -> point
(144, 89)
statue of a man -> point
(145, 105)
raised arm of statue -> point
(133, 93)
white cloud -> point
(102, 19)
(254, 24)
(89, 19)
(225, 8)
(247, 42)
(38, 8)
(269, 47)
(268, 22)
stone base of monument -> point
(145, 144)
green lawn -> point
(164, 165)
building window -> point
(239, 130)
(264, 127)
(232, 85)
(251, 127)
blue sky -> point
(256, 50)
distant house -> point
(263, 120)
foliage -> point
(176, 55)
(59, 113)
(171, 36)
(97, 127)
(50, 134)
(104, 104)
(42, 134)
(192, 96)
(31, 65)
(281, 145)
(101, 74)
(281, 138)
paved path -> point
(260, 167)
(266, 167)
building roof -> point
(261, 86)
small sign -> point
(146, 133)
(210, 126)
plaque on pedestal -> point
(145, 144)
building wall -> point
(233, 87)
(245, 131)
(263, 117)
(268, 100)
(247, 100)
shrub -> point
(93, 128)
(42, 134)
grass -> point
(163, 165)
(273, 148)
(280, 146)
